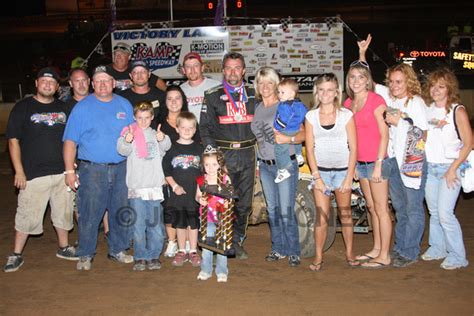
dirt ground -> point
(48, 285)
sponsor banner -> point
(302, 49)
(164, 49)
(305, 81)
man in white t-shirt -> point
(194, 88)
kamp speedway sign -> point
(301, 50)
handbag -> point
(466, 169)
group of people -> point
(148, 162)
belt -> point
(235, 144)
(272, 162)
(365, 162)
(101, 164)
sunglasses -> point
(121, 48)
(361, 63)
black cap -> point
(139, 63)
(48, 72)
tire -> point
(305, 209)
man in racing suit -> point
(226, 114)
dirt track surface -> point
(48, 285)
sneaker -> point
(282, 175)
(14, 262)
(195, 259)
(154, 264)
(294, 261)
(240, 252)
(451, 266)
(68, 253)
(171, 249)
(427, 257)
(84, 263)
(187, 246)
(139, 265)
(203, 276)
(403, 262)
(394, 255)
(121, 257)
(179, 259)
(222, 277)
(300, 160)
(274, 256)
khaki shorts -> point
(32, 202)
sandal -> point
(353, 262)
(316, 267)
(363, 258)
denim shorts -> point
(365, 169)
(333, 179)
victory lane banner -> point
(164, 49)
(298, 50)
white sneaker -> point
(84, 263)
(300, 160)
(172, 249)
(282, 175)
(187, 247)
(203, 276)
(121, 257)
(221, 277)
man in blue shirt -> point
(91, 133)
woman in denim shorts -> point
(372, 170)
(331, 152)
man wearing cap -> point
(92, 132)
(35, 128)
(120, 70)
(194, 87)
(142, 91)
(226, 114)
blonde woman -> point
(331, 153)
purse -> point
(466, 169)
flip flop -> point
(353, 262)
(316, 267)
(375, 265)
(364, 257)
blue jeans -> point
(409, 211)
(445, 232)
(102, 187)
(148, 229)
(282, 154)
(280, 200)
(221, 261)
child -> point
(182, 166)
(288, 119)
(145, 148)
(216, 179)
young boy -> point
(181, 165)
(288, 119)
(145, 148)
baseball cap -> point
(102, 69)
(192, 55)
(123, 47)
(48, 72)
(139, 63)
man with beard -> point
(35, 128)
(226, 114)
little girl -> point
(215, 179)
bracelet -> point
(314, 177)
(379, 159)
(292, 139)
(69, 171)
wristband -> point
(69, 171)
(292, 139)
(380, 159)
(174, 187)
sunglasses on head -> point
(121, 47)
(360, 62)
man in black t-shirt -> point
(80, 83)
(142, 91)
(34, 132)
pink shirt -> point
(368, 134)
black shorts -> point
(182, 218)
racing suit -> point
(227, 125)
